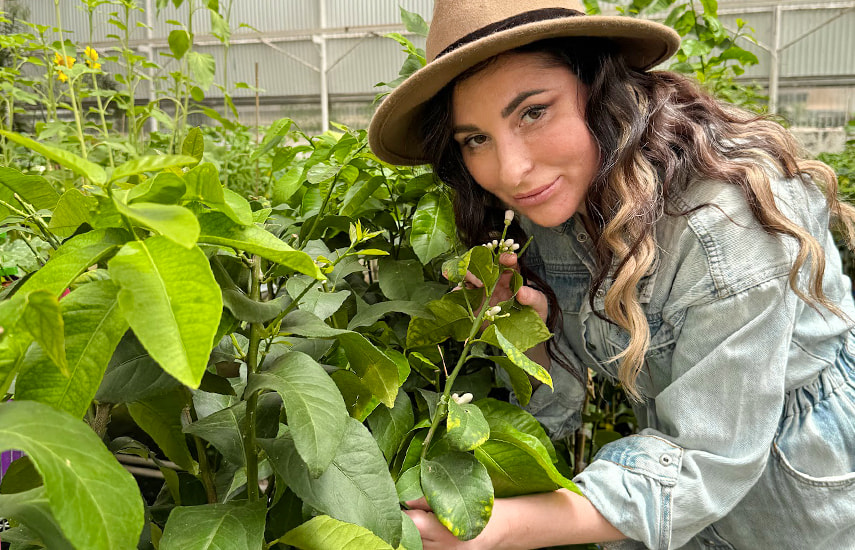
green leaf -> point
(358, 399)
(202, 67)
(179, 42)
(377, 371)
(501, 413)
(433, 227)
(171, 300)
(523, 328)
(43, 320)
(194, 144)
(400, 279)
(710, 7)
(151, 163)
(414, 22)
(174, 222)
(516, 356)
(73, 209)
(356, 196)
(519, 464)
(326, 533)
(272, 137)
(391, 426)
(316, 412)
(368, 315)
(31, 508)
(480, 262)
(217, 228)
(161, 418)
(287, 185)
(466, 425)
(409, 484)
(93, 327)
(76, 164)
(236, 207)
(215, 526)
(12, 352)
(106, 511)
(132, 374)
(164, 188)
(356, 487)
(458, 489)
(71, 259)
(34, 190)
(224, 429)
(450, 319)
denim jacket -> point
(747, 435)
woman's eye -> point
(475, 141)
(533, 113)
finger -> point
(473, 280)
(508, 260)
(529, 296)
(419, 504)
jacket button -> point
(582, 237)
(600, 293)
(665, 460)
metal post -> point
(321, 41)
(149, 52)
(775, 59)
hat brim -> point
(394, 130)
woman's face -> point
(520, 126)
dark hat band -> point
(524, 18)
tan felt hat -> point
(465, 32)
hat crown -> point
(455, 19)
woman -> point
(681, 246)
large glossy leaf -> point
(106, 511)
(480, 262)
(519, 464)
(391, 426)
(224, 429)
(356, 488)
(94, 325)
(517, 357)
(171, 300)
(43, 320)
(458, 489)
(160, 417)
(466, 425)
(367, 315)
(132, 374)
(411, 539)
(150, 163)
(69, 261)
(400, 279)
(500, 414)
(357, 195)
(79, 165)
(170, 220)
(523, 328)
(433, 227)
(31, 508)
(316, 412)
(33, 190)
(231, 525)
(165, 188)
(73, 209)
(217, 228)
(12, 351)
(326, 533)
(449, 318)
(357, 397)
(377, 371)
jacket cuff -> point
(631, 483)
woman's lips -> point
(536, 196)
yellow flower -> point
(63, 60)
(62, 76)
(91, 54)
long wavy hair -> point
(657, 133)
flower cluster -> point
(63, 62)
(508, 245)
(494, 313)
(91, 58)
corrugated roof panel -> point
(362, 63)
(829, 50)
(360, 13)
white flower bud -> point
(515, 247)
(509, 217)
(462, 399)
(495, 310)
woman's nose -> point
(515, 162)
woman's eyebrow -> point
(515, 102)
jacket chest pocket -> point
(570, 287)
(662, 337)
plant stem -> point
(255, 332)
(205, 470)
(74, 106)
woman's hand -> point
(526, 295)
(436, 537)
